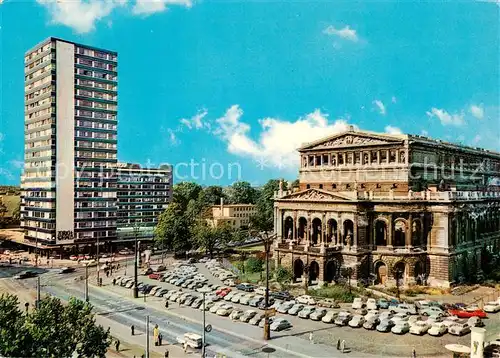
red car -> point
(223, 291)
(155, 276)
(467, 313)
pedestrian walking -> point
(117, 345)
(107, 273)
(414, 353)
(311, 337)
(342, 346)
(185, 347)
(338, 345)
(166, 304)
(114, 281)
(166, 353)
(132, 328)
(160, 338)
(156, 333)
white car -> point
(329, 317)
(285, 307)
(400, 317)
(343, 318)
(246, 298)
(372, 314)
(237, 297)
(371, 304)
(357, 303)
(296, 309)
(306, 300)
(224, 310)
(385, 315)
(459, 329)
(318, 314)
(260, 291)
(419, 328)
(492, 307)
(215, 307)
(306, 311)
(450, 321)
(280, 324)
(401, 327)
(248, 315)
(438, 329)
(236, 314)
(357, 321)
(229, 296)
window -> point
(334, 186)
(321, 186)
(308, 186)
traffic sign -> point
(208, 328)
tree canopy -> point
(242, 192)
(51, 330)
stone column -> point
(378, 156)
(340, 232)
(390, 231)
(409, 232)
(344, 156)
(323, 226)
(294, 228)
(355, 232)
(387, 156)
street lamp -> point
(204, 291)
(136, 230)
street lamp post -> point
(204, 291)
(86, 282)
(36, 247)
(98, 283)
(136, 294)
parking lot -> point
(359, 339)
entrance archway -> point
(399, 233)
(400, 272)
(380, 233)
(302, 229)
(316, 231)
(288, 232)
(313, 271)
(348, 232)
(332, 231)
(330, 270)
(381, 273)
(298, 269)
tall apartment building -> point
(69, 184)
(143, 194)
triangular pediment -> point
(353, 139)
(316, 194)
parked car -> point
(189, 300)
(371, 322)
(401, 327)
(328, 303)
(383, 303)
(407, 308)
(432, 311)
(451, 320)
(280, 324)
(247, 315)
(246, 298)
(400, 317)
(371, 304)
(256, 319)
(318, 314)
(420, 328)
(385, 325)
(294, 311)
(161, 292)
(306, 312)
(154, 290)
(329, 317)
(459, 329)
(216, 307)
(467, 313)
(237, 297)
(207, 305)
(437, 329)
(475, 322)
(372, 314)
(228, 295)
(147, 271)
(361, 311)
(245, 287)
(492, 307)
(236, 314)
(357, 321)
(386, 315)
(306, 300)
(197, 302)
(357, 303)
(283, 295)
(260, 290)
(254, 302)
(343, 318)
(285, 307)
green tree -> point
(212, 195)
(242, 192)
(172, 230)
(263, 220)
(3, 211)
(184, 192)
(51, 330)
(211, 238)
(283, 275)
(254, 265)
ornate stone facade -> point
(356, 208)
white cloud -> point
(148, 7)
(172, 137)
(393, 130)
(345, 33)
(476, 139)
(394, 99)
(424, 133)
(279, 139)
(380, 106)
(197, 121)
(477, 111)
(82, 15)
(446, 118)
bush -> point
(339, 293)
(254, 264)
(283, 275)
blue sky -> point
(243, 83)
